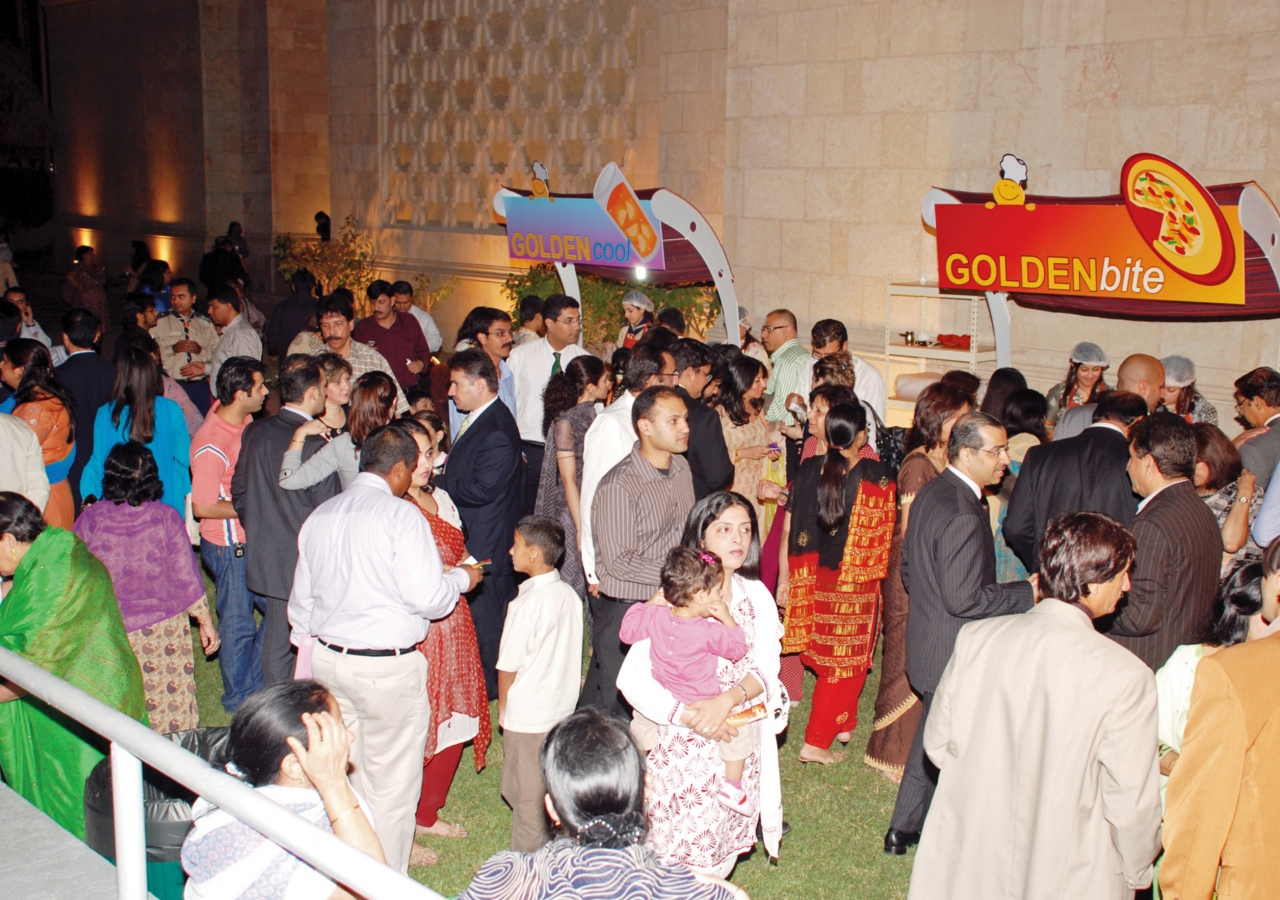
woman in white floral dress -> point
(687, 825)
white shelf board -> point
(986, 353)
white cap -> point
(744, 317)
(1087, 353)
(1178, 371)
(638, 299)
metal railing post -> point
(130, 824)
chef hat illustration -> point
(1013, 169)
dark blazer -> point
(484, 475)
(1174, 576)
(87, 377)
(1261, 454)
(949, 570)
(270, 515)
(708, 457)
(1085, 473)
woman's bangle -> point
(338, 818)
(744, 691)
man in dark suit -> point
(1086, 473)
(708, 457)
(1257, 398)
(87, 377)
(272, 516)
(949, 569)
(1175, 570)
(484, 477)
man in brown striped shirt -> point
(637, 516)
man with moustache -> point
(334, 315)
(949, 569)
(488, 329)
(637, 516)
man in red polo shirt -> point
(398, 338)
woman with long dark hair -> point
(1084, 381)
(373, 403)
(48, 408)
(687, 824)
(61, 615)
(897, 707)
(830, 583)
(138, 411)
(747, 437)
(595, 795)
(1000, 385)
(568, 409)
(160, 590)
(1179, 394)
(1023, 415)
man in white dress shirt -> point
(830, 336)
(611, 437)
(368, 581)
(533, 363)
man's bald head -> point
(1142, 375)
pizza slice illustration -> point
(1178, 218)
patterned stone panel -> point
(473, 91)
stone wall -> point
(125, 80)
(842, 114)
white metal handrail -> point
(133, 743)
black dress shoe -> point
(896, 842)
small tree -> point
(346, 261)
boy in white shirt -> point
(539, 673)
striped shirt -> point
(637, 516)
(788, 361)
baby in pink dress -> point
(686, 641)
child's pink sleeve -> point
(635, 624)
(729, 643)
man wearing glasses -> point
(787, 356)
(949, 568)
(532, 365)
(488, 329)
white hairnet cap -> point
(744, 317)
(1178, 371)
(1087, 353)
(638, 299)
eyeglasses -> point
(995, 451)
(766, 329)
(572, 320)
(500, 333)
(1240, 402)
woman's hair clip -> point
(708, 558)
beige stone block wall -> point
(840, 115)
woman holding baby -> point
(688, 824)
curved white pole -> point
(672, 209)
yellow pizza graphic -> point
(1178, 218)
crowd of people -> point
(1074, 595)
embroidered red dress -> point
(833, 611)
(455, 683)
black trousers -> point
(600, 690)
(279, 656)
(919, 779)
(489, 612)
(533, 454)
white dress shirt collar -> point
(539, 581)
(298, 412)
(1267, 423)
(1147, 499)
(479, 410)
(973, 485)
(371, 480)
(1114, 427)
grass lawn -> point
(838, 815)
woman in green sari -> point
(61, 614)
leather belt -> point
(348, 651)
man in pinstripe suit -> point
(949, 569)
(1175, 571)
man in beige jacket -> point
(1224, 791)
(21, 461)
(1044, 732)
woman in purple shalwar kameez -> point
(144, 545)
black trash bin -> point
(167, 816)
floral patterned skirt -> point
(168, 673)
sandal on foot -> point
(453, 830)
(423, 856)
